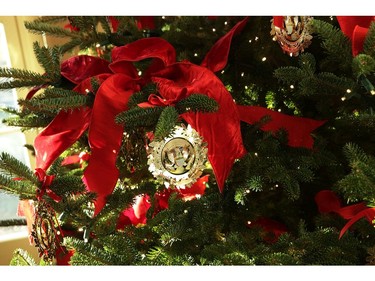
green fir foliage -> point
(167, 121)
(22, 258)
(19, 78)
(197, 103)
(359, 184)
(266, 213)
(334, 43)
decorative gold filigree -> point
(179, 159)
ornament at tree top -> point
(179, 159)
(292, 33)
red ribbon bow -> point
(356, 28)
(46, 181)
(328, 202)
(175, 80)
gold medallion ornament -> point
(293, 35)
(179, 159)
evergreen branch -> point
(158, 256)
(138, 117)
(167, 121)
(50, 19)
(85, 253)
(19, 84)
(54, 92)
(289, 74)
(104, 23)
(20, 188)
(359, 184)
(28, 121)
(84, 23)
(137, 98)
(335, 43)
(354, 153)
(15, 168)
(369, 44)
(91, 41)
(46, 28)
(12, 222)
(49, 59)
(67, 184)
(70, 45)
(21, 78)
(307, 63)
(95, 84)
(53, 104)
(22, 258)
(197, 103)
(363, 65)
(331, 84)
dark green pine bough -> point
(272, 180)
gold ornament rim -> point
(161, 173)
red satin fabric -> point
(299, 128)
(328, 202)
(221, 130)
(272, 229)
(217, 56)
(160, 50)
(175, 81)
(278, 21)
(64, 130)
(356, 28)
(105, 136)
(145, 22)
(136, 214)
(79, 68)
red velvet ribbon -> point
(299, 128)
(272, 229)
(136, 214)
(145, 22)
(328, 202)
(355, 28)
(46, 181)
(278, 21)
(76, 159)
(175, 80)
(68, 126)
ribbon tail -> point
(298, 128)
(359, 36)
(105, 136)
(355, 28)
(216, 59)
(61, 133)
(368, 213)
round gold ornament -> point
(179, 159)
(294, 35)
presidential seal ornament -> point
(179, 159)
(294, 34)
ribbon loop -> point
(46, 181)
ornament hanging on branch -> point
(45, 232)
(292, 33)
(179, 159)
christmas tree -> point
(198, 140)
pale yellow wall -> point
(20, 43)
